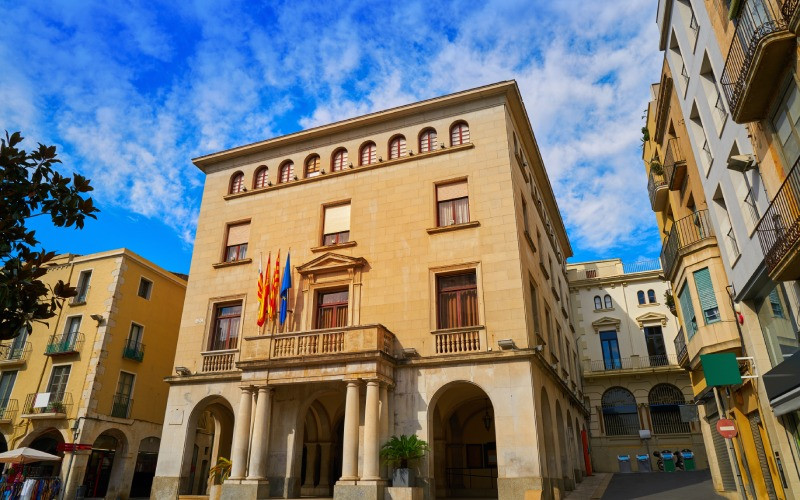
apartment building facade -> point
(429, 297)
(86, 378)
(750, 62)
(624, 331)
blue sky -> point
(130, 93)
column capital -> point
(265, 389)
(353, 382)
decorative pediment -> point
(330, 262)
(605, 323)
(651, 317)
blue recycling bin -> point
(643, 462)
(624, 462)
(688, 460)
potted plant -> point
(656, 167)
(669, 301)
(216, 476)
(400, 452)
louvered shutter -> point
(705, 292)
(687, 309)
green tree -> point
(30, 187)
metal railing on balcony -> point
(654, 183)
(629, 363)
(680, 346)
(685, 232)
(641, 266)
(731, 244)
(48, 403)
(8, 410)
(133, 350)
(788, 8)
(10, 353)
(674, 164)
(65, 343)
(779, 228)
(757, 20)
(121, 406)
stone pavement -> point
(683, 485)
(590, 487)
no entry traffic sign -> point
(726, 428)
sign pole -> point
(731, 452)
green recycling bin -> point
(669, 461)
(688, 460)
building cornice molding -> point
(652, 317)
(606, 322)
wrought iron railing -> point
(10, 353)
(788, 9)
(133, 350)
(8, 409)
(654, 182)
(686, 231)
(629, 363)
(779, 228)
(732, 244)
(757, 19)
(680, 346)
(666, 419)
(620, 419)
(121, 407)
(65, 343)
(672, 160)
(641, 266)
(39, 403)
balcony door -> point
(57, 386)
(610, 347)
(18, 344)
(71, 333)
(6, 385)
(656, 349)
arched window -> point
(607, 301)
(339, 160)
(312, 166)
(237, 183)
(397, 147)
(427, 140)
(665, 401)
(459, 134)
(620, 417)
(640, 296)
(598, 302)
(286, 172)
(368, 154)
(651, 296)
(260, 178)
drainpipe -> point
(76, 431)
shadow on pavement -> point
(683, 485)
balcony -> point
(219, 361)
(674, 165)
(121, 407)
(8, 411)
(756, 58)
(11, 355)
(47, 405)
(685, 233)
(459, 341)
(779, 230)
(133, 350)
(657, 188)
(63, 344)
(680, 348)
(631, 364)
(790, 14)
(333, 341)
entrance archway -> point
(100, 465)
(464, 445)
(551, 462)
(49, 441)
(209, 436)
(145, 468)
(321, 459)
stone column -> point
(372, 431)
(325, 464)
(259, 444)
(384, 425)
(241, 436)
(350, 442)
(311, 461)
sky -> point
(130, 92)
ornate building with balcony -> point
(429, 297)
(74, 379)
(625, 334)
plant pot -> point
(403, 477)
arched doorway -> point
(464, 448)
(100, 465)
(550, 453)
(321, 459)
(145, 469)
(210, 434)
(562, 447)
(49, 441)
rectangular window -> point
(145, 287)
(122, 399)
(535, 313)
(226, 327)
(786, 123)
(17, 347)
(525, 216)
(705, 292)
(83, 287)
(72, 330)
(57, 386)
(610, 347)
(135, 336)
(687, 310)
(547, 326)
(656, 349)
(457, 300)
(452, 203)
(332, 309)
(336, 225)
(6, 386)
(236, 242)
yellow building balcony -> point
(657, 188)
(63, 344)
(53, 405)
(629, 365)
(319, 343)
(8, 410)
(674, 165)
(779, 230)
(756, 58)
(686, 235)
(11, 355)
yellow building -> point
(86, 377)
(429, 297)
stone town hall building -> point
(429, 297)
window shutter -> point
(452, 191)
(687, 309)
(238, 234)
(705, 290)
(337, 219)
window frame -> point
(598, 303)
(459, 299)
(373, 154)
(312, 167)
(84, 285)
(651, 296)
(425, 135)
(286, 172)
(236, 183)
(608, 303)
(66, 384)
(149, 292)
(341, 237)
(335, 307)
(240, 248)
(402, 147)
(452, 203)
(640, 297)
(261, 177)
(212, 344)
(339, 160)
(461, 124)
